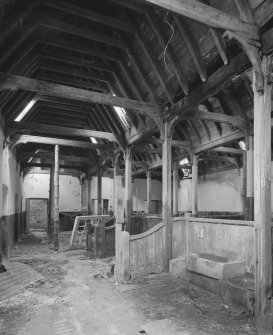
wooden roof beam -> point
(215, 83)
(208, 15)
(68, 92)
(192, 46)
(22, 139)
(89, 15)
(47, 155)
(62, 166)
(217, 117)
(40, 128)
(48, 23)
(170, 54)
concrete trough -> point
(214, 266)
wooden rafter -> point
(215, 83)
(170, 54)
(192, 46)
(208, 15)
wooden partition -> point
(142, 223)
(147, 251)
(78, 236)
(229, 238)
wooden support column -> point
(194, 185)
(175, 188)
(250, 180)
(99, 211)
(262, 194)
(89, 178)
(50, 205)
(167, 194)
(118, 211)
(56, 200)
(128, 188)
(149, 193)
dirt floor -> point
(79, 296)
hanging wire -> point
(169, 41)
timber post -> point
(250, 180)
(56, 200)
(89, 206)
(194, 185)
(175, 188)
(167, 193)
(128, 187)
(50, 205)
(99, 193)
(262, 186)
(119, 215)
(149, 189)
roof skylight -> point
(25, 110)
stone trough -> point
(217, 267)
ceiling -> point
(160, 63)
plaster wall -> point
(36, 185)
(10, 202)
(140, 193)
(217, 192)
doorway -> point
(37, 213)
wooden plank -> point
(41, 128)
(56, 200)
(62, 91)
(59, 141)
(215, 83)
(262, 194)
(208, 15)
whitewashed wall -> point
(36, 185)
(217, 192)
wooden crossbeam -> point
(233, 136)
(217, 117)
(42, 128)
(208, 15)
(68, 92)
(22, 139)
(227, 150)
(215, 83)
(47, 155)
(62, 166)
